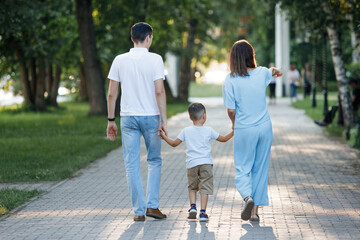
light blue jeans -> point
(293, 90)
(132, 127)
(252, 148)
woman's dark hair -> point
(139, 31)
(242, 56)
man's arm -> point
(171, 142)
(231, 114)
(225, 138)
(112, 130)
(161, 102)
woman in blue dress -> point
(245, 100)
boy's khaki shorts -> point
(200, 178)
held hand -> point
(162, 134)
(111, 131)
(163, 128)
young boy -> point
(198, 159)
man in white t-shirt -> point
(143, 112)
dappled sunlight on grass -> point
(52, 145)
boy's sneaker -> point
(203, 217)
(192, 213)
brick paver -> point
(313, 188)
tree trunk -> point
(169, 95)
(188, 54)
(93, 72)
(24, 73)
(357, 43)
(324, 75)
(337, 57)
(33, 79)
(313, 77)
(83, 90)
(55, 87)
(40, 86)
(49, 78)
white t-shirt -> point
(198, 144)
(137, 70)
(294, 76)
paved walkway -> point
(313, 188)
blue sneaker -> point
(203, 217)
(192, 213)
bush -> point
(354, 70)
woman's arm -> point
(231, 114)
(276, 71)
(171, 142)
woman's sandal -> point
(255, 219)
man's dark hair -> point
(196, 111)
(139, 31)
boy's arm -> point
(225, 138)
(171, 142)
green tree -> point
(31, 45)
(322, 15)
(94, 77)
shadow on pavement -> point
(132, 231)
(203, 234)
(254, 231)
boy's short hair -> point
(196, 111)
(139, 31)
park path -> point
(314, 191)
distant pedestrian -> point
(355, 101)
(198, 158)
(272, 87)
(245, 100)
(307, 76)
(294, 79)
(143, 112)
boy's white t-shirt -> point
(197, 140)
(137, 70)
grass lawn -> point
(53, 145)
(205, 90)
(11, 198)
(176, 107)
(317, 114)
